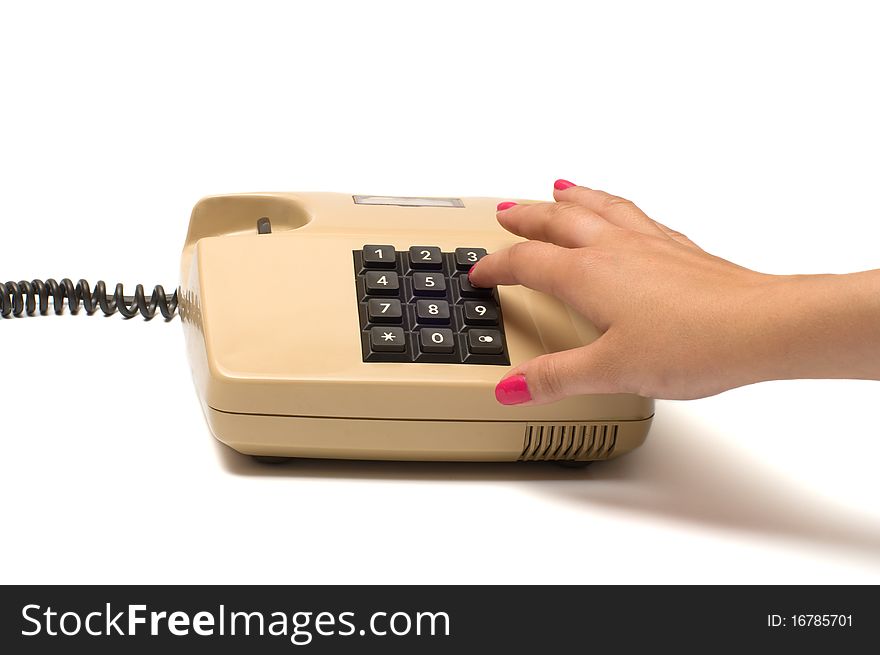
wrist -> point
(817, 326)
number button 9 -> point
(480, 313)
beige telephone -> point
(336, 326)
(368, 342)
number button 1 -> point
(480, 313)
(425, 257)
(379, 257)
(384, 310)
(467, 257)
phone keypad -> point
(417, 305)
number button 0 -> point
(384, 310)
(480, 313)
(425, 257)
(429, 284)
(379, 257)
(436, 340)
(467, 257)
(432, 311)
(382, 283)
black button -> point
(436, 340)
(384, 310)
(379, 257)
(467, 257)
(432, 311)
(484, 342)
(429, 284)
(387, 340)
(382, 283)
(468, 290)
(480, 312)
(425, 257)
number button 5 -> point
(429, 284)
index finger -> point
(534, 264)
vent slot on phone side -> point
(568, 442)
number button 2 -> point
(425, 257)
(429, 284)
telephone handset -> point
(365, 339)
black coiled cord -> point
(17, 298)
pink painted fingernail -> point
(512, 390)
(505, 205)
(562, 185)
(471, 270)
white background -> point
(752, 129)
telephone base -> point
(270, 437)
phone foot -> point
(573, 465)
(270, 459)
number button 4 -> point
(382, 283)
(425, 257)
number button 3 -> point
(467, 257)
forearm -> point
(821, 326)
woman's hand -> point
(676, 322)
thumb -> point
(552, 377)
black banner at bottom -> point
(388, 619)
